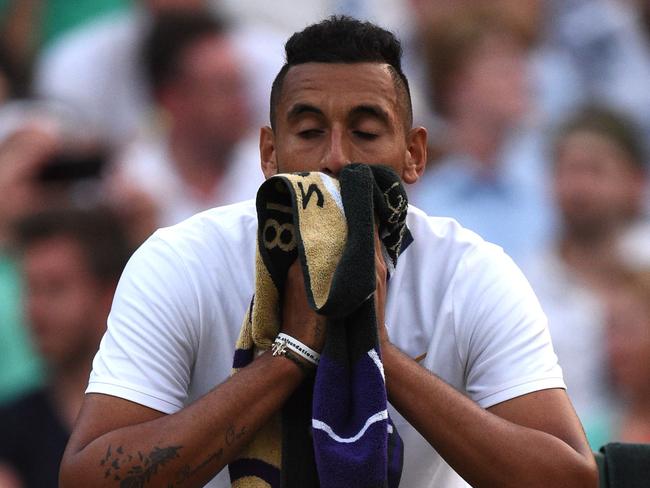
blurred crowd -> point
(118, 117)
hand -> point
(380, 293)
(298, 318)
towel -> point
(334, 431)
(625, 465)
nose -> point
(337, 153)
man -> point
(598, 184)
(206, 154)
(34, 139)
(71, 261)
(491, 177)
(153, 414)
(112, 95)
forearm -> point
(189, 447)
(482, 447)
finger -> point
(299, 319)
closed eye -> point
(310, 133)
(368, 136)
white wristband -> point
(284, 340)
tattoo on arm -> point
(187, 472)
(121, 466)
(230, 437)
(136, 470)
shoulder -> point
(458, 265)
(485, 312)
(444, 227)
(179, 284)
(213, 243)
(444, 239)
(228, 225)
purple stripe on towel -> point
(254, 467)
(243, 357)
(345, 398)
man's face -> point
(492, 85)
(209, 97)
(595, 184)
(330, 115)
(64, 302)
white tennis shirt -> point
(182, 297)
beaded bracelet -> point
(307, 369)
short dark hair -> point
(98, 231)
(170, 36)
(616, 126)
(342, 39)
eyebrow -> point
(303, 108)
(374, 111)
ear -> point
(267, 152)
(416, 155)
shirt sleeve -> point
(148, 351)
(504, 339)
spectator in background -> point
(643, 9)
(288, 15)
(628, 350)
(71, 261)
(604, 40)
(598, 180)
(34, 149)
(206, 154)
(97, 69)
(553, 80)
(35, 136)
(7, 74)
(22, 154)
(27, 25)
(492, 177)
(583, 50)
